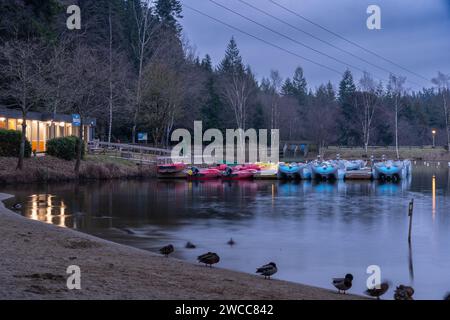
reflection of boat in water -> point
(389, 170)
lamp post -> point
(433, 132)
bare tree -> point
(442, 82)
(396, 91)
(162, 93)
(275, 86)
(236, 89)
(145, 27)
(87, 76)
(369, 93)
(23, 69)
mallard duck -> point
(378, 292)
(166, 250)
(231, 242)
(209, 258)
(190, 245)
(267, 270)
(343, 284)
(403, 292)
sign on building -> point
(142, 136)
(76, 120)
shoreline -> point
(36, 255)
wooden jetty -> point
(363, 174)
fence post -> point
(410, 214)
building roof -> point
(46, 116)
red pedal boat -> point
(203, 174)
(171, 168)
(230, 174)
(248, 166)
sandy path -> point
(35, 256)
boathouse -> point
(44, 126)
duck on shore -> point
(403, 292)
(378, 292)
(209, 258)
(343, 284)
(267, 270)
(190, 245)
(167, 250)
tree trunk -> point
(79, 148)
(110, 78)
(22, 142)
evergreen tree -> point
(288, 88)
(300, 86)
(232, 62)
(206, 63)
(348, 134)
(212, 109)
(168, 12)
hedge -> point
(10, 144)
(64, 148)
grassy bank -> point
(50, 169)
(35, 257)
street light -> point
(434, 137)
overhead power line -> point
(315, 37)
(348, 40)
(287, 37)
(262, 40)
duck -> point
(343, 284)
(167, 250)
(209, 258)
(190, 245)
(403, 292)
(17, 206)
(267, 270)
(378, 292)
(231, 242)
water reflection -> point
(46, 208)
(313, 231)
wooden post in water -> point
(410, 214)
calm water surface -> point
(312, 231)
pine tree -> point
(206, 63)
(288, 89)
(232, 62)
(347, 91)
(168, 12)
(300, 86)
(212, 109)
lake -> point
(313, 231)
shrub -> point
(10, 144)
(64, 148)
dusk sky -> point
(414, 34)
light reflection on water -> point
(314, 231)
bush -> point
(64, 148)
(10, 144)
